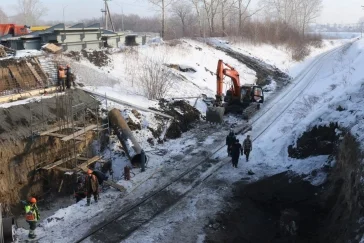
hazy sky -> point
(334, 11)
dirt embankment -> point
(22, 155)
(275, 209)
(285, 208)
(264, 71)
(100, 58)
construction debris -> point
(21, 74)
(52, 48)
(2, 51)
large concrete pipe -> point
(8, 229)
(125, 136)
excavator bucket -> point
(215, 114)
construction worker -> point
(31, 216)
(79, 191)
(230, 139)
(68, 76)
(61, 78)
(247, 144)
(91, 187)
(236, 150)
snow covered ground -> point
(336, 79)
(269, 149)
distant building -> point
(75, 38)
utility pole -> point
(102, 17)
(122, 19)
(106, 24)
(64, 21)
(107, 14)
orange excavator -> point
(241, 99)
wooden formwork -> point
(18, 75)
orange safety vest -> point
(62, 74)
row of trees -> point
(220, 16)
(200, 17)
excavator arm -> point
(230, 72)
(241, 96)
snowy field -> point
(336, 79)
(333, 79)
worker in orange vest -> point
(32, 216)
(61, 78)
(91, 187)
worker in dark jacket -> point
(61, 78)
(236, 150)
(68, 76)
(247, 144)
(91, 187)
(79, 191)
(230, 139)
(32, 216)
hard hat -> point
(33, 200)
(89, 171)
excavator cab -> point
(249, 94)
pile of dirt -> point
(100, 58)
(320, 140)
(18, 122)
(263, 70)
(343, 197)
(283, 206)
(184, 116)
(181, 68)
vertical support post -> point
(142, 160)
(1, 224)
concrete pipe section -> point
(8, 229)
(126, 138)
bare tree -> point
(182, 11)
(211, 8)
(197, 6)
(309, 11)
(242, 6)
(163, 6)
(226, 9)
(155, 77)
(295, 13)
(30, 11)
(3, 16)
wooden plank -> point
(84, 166)
(27, 75)
(59, 162)
(58, 135)
(14, 71)
(37, 77)
(79, 133)
(116, 186)
(52, 130)
(63, 169)
(82, 158)
(10, 98)
(39, 67)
